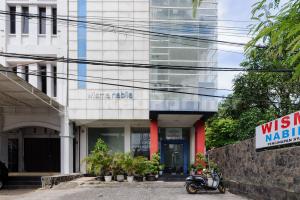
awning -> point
(16, 92)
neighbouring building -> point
(50, 124)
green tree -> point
(280, 33)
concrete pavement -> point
(88, 189)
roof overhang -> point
(16, 92)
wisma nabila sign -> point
(284, 130)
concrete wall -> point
(272, 174)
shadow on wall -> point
(270, 174)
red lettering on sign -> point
(296, 118)
(285, 122)
(266, 128)
(276, 125)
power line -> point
(134, 65)
(127, 86)
(132, 29)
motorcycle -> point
(210, 181)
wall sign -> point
(95, 95)
(284, 130)
(173, 133)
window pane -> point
(42, 20)
(12, 16)
(54, 21)
(113, 137)
(25, 20)
(26, 73)
(140, 141)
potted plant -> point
(96, 165)
(106, 168)
(128, 167)
(161, 169)
(139, 165)
(117, 166)
(153, 167)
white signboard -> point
(284, 130)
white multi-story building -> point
(52, 112)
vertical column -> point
(33, 79)
(18, 24)
(153, 137)
(33, 25)
(48, 24)
(66, 145)
(20, 71)
(127, 138)
(192, 145)
(200, 137)
(83, 148)
(50, 82)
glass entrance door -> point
(174, 156)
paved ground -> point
(85, 189)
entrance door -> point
(13, 155)
(42, 154)
(174, 156)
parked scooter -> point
(211, 181)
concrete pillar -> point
(192, 145)
(66, 145)
(48, 24)
(200, 137)
(18, 24)
(153, 137)
(20, 71)
(33, 79)
(83, 148)
(33, 24)
(127, 138)
(50, 81)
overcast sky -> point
(237, 10)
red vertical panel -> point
(153, 137)
(200, 137)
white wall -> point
(99, 101)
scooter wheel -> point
(190, 188)
(222, 189)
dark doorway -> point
(13, 155)
(42, 154)
(174, 155)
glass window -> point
(113, 137)
(42, 20)
(54, 21)
(12, 19)
(140, 142)
(43, 78)
(25, 20)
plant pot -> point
(100, 178)
(107, 178)
(150, 178)
(130, 179)
(139, 178)
(161, 173)
(120, 178)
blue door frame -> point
(185, 152)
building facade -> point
(133, 108)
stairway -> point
(23, 182)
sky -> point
(237, 10)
